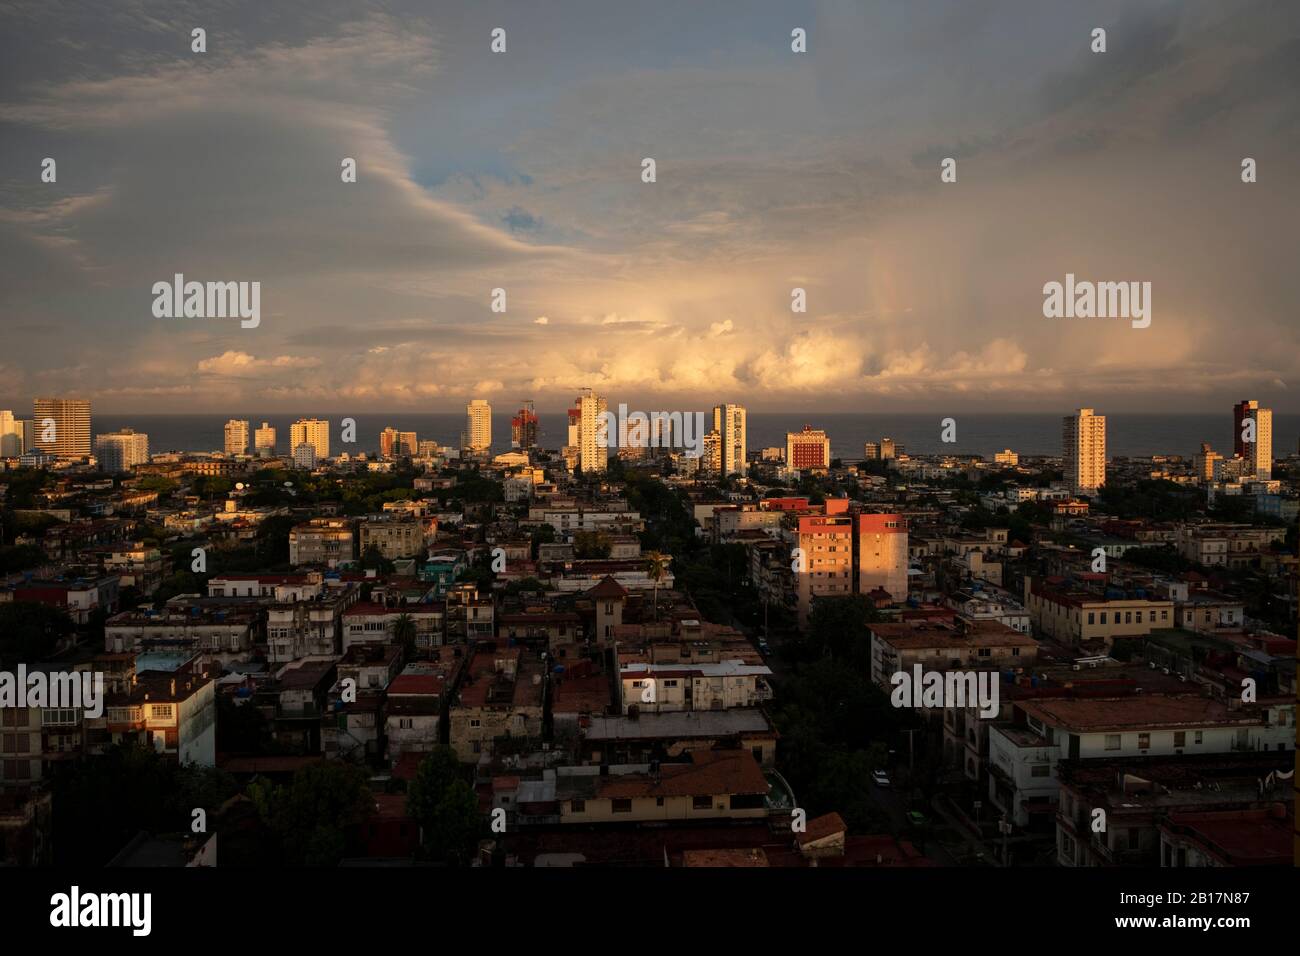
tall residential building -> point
(711, 461)
(523, 427)
(120, 451)
(310, 431)
(304, 455)
(593, 453)
(881, 554)
(1006, 457)
(870, 451)
(1083, 435)
(388, 443)
(729, 423)
(11, 435)
(408, 444)
(1259, 453)
(888, 449)
(264, 441)
(807, 449)
(1205, 462)
(236, 437)
(478, 426)
(62, 426)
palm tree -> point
(656, 565)
(404, 633)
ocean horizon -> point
(977, 434)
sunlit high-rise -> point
(121, 450)
(478, 426)
(62, 426)
(1083, 436)
(264, 441)
(236, 435)
(1252, 422)
(311, 431)
(729, 423)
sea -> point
(977, 433)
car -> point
(880, 778)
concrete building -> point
(1083, 436)
(264, 439)
(1023, 754)
(327, 541)
(808, 450)
(61, 427)
(593, 451)
(1248, 418)
(236, 437)
(121, 451)
(310, 431)
(729, 423)
(478, 426)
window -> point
(578, 806)
(1144, 741)
(622, 806)
(670, 683)
(659, 801)
(163, 711)
(1091, 616)
(1199, 737)
(475, 722)
(1134, 838)
(702, 803)
(1113, 741)
(1180, 738)
(1103, 617)
(1128, 617)
(985, 651)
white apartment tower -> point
(592, 449)
(729, 423)
(311, 431)
(1084, 438)
(478, 425)
(236, 437)
(120, 451)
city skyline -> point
(775, 173)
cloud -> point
(241, 363)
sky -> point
(522, 171)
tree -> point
(313, 815)
(591, 544)
(273, 540)
(445, 808)
(404, 634)
(656, 566)
(837, 627)
(31, 631)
